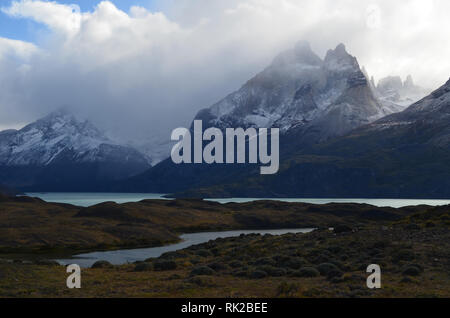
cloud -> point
(59, 17)
(17, 49)
(141, 74)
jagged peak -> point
(390, 82)
(339, 59)
(301, 53)
(340, 48)
(59, 114)
(303, 46)
(63, 121)
(339, 52)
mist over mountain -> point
(396, 95)
(142, 71)
(300, 91)
(61, 152)
(403, 155)
(311, 100)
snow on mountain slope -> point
(300, 91)
(433, 109)
(396, 95)
(424, 122)
(61, 137)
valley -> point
(30, 225)
(410, 245)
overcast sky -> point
(144, 67)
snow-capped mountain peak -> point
(58, 136)
(396, 95)
(339, 60)
(299, 90)
(301, 55)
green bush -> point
(102, 264)
(143, 267)
(203, 253)
(326, 268)
(202, 270)
(258, 274)
(306, 272)
(164, 265)
(411, 271)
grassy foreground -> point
(319, 264)
(413, 252)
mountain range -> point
(63, 153)
(314, 102)
(396, 94)
(403, 155)
(341, 135)
(301, 93)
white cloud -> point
(59, 17)
(149, 72)
(17, 49)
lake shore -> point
(33, 226)
(89, 199)
(121, 257)
(411, 245)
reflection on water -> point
(120, 257)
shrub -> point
(47, 262)
(165, 265)
(203, 253)
(306, 272)
(218, 266)
(411, 271)
(143, 267)
(326, 268)
(412, 227)
(202, 281)
(264, 261)
(335, 249)
(287, 290)
(321, 258)
(258, 274)
(239, 273)
(202, 270)
(292, 262)
(334, 275)
(273, 271)
(236, 264)
(102, 264)
(403, 255)
(174, 255)
(342, 229)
